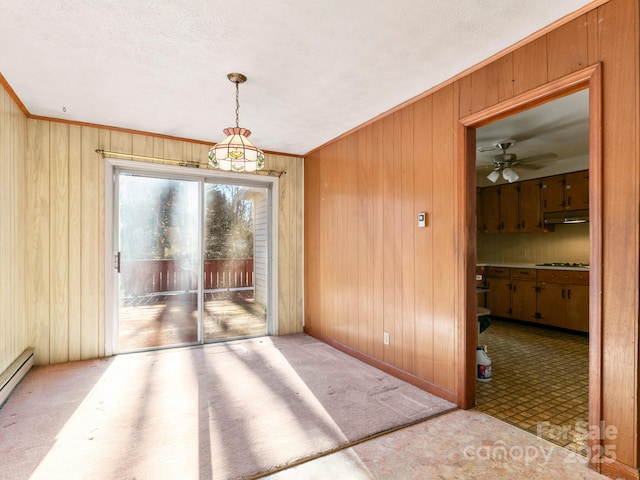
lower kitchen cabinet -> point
(498, 281)
(563, 299)
(559, 298)
(523, 294)
(523, 300)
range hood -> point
(570, 216)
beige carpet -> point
(220, 411)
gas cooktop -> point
(562, 264)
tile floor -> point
(540, 381)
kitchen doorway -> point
(589, 81)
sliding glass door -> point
(191, 260)
(235, 254)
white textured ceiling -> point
(316, 68)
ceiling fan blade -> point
(487, 148)
(535, 162)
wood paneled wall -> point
(369, 269)
(66, 211)
(14, 327)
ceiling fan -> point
(504, 161)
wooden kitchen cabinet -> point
(576, 190)
(491, 209)
(498, 282)
(509, 220)
(565, 192)
(523, 294)
(529, 211)
(558, 298)
(510, 208)
(563, 299)
(552, 193)
(479, 210)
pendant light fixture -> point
(236, 152)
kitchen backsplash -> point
(568, 243)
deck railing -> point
(144, 277)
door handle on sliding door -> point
(116, 262)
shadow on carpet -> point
(224, 411)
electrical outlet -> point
(386, 338)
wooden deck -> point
(164, 320)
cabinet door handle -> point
(514, 288)
(569, 294)
(563, 293)
(522, 225)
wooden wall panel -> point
(487, 86)
(89, 252)
(607, 34)
(350, 293)
(312, 247)
(75, 242)
(66, 204)
(378, 240)
(424, 252)
(38, 226)
(290, 225)
(14, 331)
(444, 238)
(388, 233)
(143, 145)
(364, 271)
(530, 66)
(593, 53)
(567, 48)
(407, 230)
(59, 242)
(327, 248)
(396, 242)
(618, 36)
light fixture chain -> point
(237, 104)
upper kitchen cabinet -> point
(509, 219)
(510, 208)
(530, 213)
(577, 190)
(565, 192)
(491, 210)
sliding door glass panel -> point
(235, 244)
(159, 262)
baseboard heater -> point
(10, 378)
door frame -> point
(271, 183)
(587, 78)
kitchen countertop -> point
(533, 265)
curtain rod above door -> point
(185, 163)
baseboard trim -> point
(618, 471)
(10, 378)
(385, 367)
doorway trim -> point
(587, 78)
(110, 199)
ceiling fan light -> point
(509, 175)
(493, 176)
